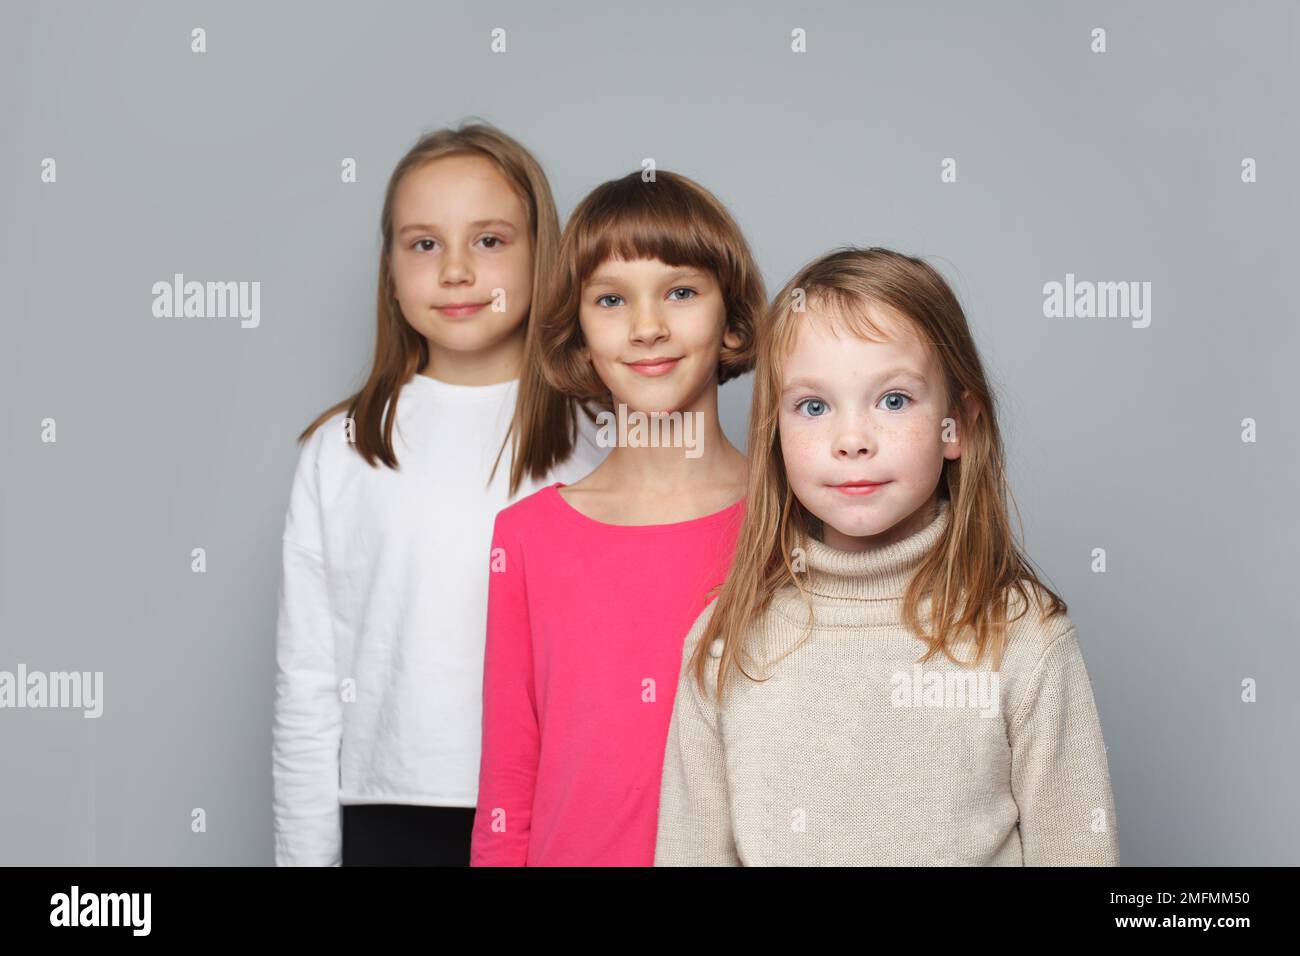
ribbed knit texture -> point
(849, 753)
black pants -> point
(382, 834)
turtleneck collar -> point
(873, 575)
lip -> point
(460, 309)
(859, 487)
(653, 367)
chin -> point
(650, 400)
(467, 341)
(857, 528)
(861, 519)
(648, 407)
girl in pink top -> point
(594, 585)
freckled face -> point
(862, 428)
(462, 256)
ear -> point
(952, 449)
(731, 340)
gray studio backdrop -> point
(1125, 433)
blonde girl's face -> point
(654, 333)
(462, 255)
(862, 429)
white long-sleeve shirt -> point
(382, 614)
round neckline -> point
(495, 390)
(552, 491)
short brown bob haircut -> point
(646, 215)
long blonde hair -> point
(976, 562)
(401, 352)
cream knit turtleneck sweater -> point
(850, 753)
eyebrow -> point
(602, 279)
(477, 224)
(900, 372)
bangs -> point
(629, 219)
(673, 220)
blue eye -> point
(808, 404)
(896, 408)
(692, 292)
(608, 295)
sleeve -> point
(1059, 775)
(307, 723)
(511, 736)
(694, 813)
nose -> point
(456, 268)
(648, 326)
(854, 440)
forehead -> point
(875, 331)
(457, 187)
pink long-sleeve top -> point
(585, 629)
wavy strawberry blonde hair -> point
(401, 352)
(670, 218)
(975, 565)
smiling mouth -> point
(460, 309)
(653, 367)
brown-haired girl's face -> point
(654, 333)
(462, 256)
(862, 429)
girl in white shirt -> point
(379, 656)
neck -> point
(877, 574)
(708, 458)
(499, 362)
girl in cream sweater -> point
(883, 680)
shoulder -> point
(528, 515)
(1032, 630)
(712, 654)
(1043, 658)
(696, 632)
(321, 446)
(1030, 615)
